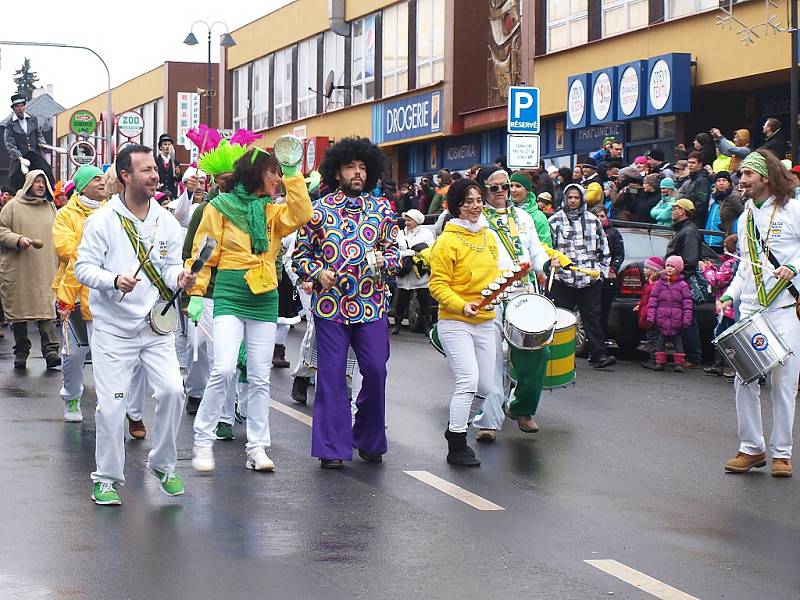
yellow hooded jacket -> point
(67, 233)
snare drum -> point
(529, 321)
(561, 366)
(752, 347)
(163, 324)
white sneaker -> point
(203, 459)
(257, 460)
(72, 411)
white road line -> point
(637, 579)
(453, 490)
(295, 414)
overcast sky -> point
(132, 37)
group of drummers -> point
(504, 339)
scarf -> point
(469, 225)
(93, 204)
(507, 232)
(246, 212)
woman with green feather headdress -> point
(247, 227)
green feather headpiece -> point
(222, 158)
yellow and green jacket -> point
(67, 233)
(462, 263)
(233, 250)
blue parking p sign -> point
(523, 109)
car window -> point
(640, 244)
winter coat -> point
(662, 212)
(720, 277)
(729, 210)
(617, 247)
(26, 276)
(643, 302)
(686, 244)
(698, 192)
(670, 305)
(776, 144)
(644, 205)
(410, 243)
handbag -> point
(701, 291)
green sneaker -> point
(224, 431)
(171, 483)
(72, 411)
(103, 493)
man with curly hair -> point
(346, 250)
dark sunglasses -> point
(496, 188)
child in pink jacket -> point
(720, 277)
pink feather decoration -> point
(244, 137)
(204, 137)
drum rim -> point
(155, 315)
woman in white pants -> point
(248, 228)
(463, 262)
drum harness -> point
(756, 243)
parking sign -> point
(523, 109)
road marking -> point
(453, 490)
(652, 586)
(295, 414)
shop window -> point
(307, 78)
(620, 16)
(642, 129)
(667, 127)
(430, 41)
(241, 96)
(682, 8)
(333, 54)
(363, 61)
(282, 86)
(149, 135)
(160, 116)
(261, 93)
(395, 49)
(567, 23)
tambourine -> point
(288, 149)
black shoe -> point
(238, 416)
(606, 361)
(648, 365)
(279, 357)
(52, 360)
(20, 362)
(192, 404)
(370, 458)
(458, 452)
(713, 370)
(396, 329)
(300, 389)
(333, 463)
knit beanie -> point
(523, 180)
(640, 160)
(84, 175)
(654, 262)
(676, 262)
(667, 183)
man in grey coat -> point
(23, 139)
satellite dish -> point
(328, 90)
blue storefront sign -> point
(604, 90)
(630, 88)
(577, 94)
(462, 152)
(409, 117)
(669, 84)
(590, 139)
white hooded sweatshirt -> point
(106, 251)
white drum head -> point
(565, 319)
(531, 313)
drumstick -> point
(749, 262)
(65, 333)
(37, 243)
(139, 268)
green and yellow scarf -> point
(246, 212)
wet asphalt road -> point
(627, 466)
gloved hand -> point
(289, 170)
(25, 165)
(195, 308)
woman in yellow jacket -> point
(463, 262)
(248, 229)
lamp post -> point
(109, 124)
(226, 42)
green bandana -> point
(755, 161)
(246, 212)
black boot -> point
(279, 357)
(192, 404)
(300, 389)
(458, 452)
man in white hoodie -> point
(132, 225)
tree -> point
(26, 79)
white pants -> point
(114, 359)
(182, 342)
(259, 339)
(72, 364)
(281, 334)
(471, 351)
(301, 369)
(783, 381)
(139, 390)
(491, 415)
(199, 370)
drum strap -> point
(765, 298)
(147, 266)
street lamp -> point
(226, 42)
(109, 124)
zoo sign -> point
(130, 124)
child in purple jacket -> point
(670, 311)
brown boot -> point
(781, 467)
(279, 357)
(485, 436)
(744, 462)
(137, 429)
(527, 424)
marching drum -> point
(752, 347)
(561, 365)
(529, 321)
(163, 318)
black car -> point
(623, 322)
